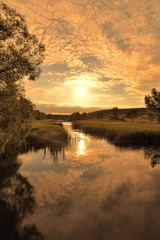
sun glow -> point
(81, 91)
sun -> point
(81, 91)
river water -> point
(94, 191)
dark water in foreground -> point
(94, 191)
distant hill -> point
(121, 111)
(108, 113)
(58, 117)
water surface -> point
(93, 190)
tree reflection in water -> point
(152, 154)
(53, 148)
(16, 201)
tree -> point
(15, 122)
(115, 113)
(75, 116)
(20, 57)
(152, 103)
(21, 54)
(38, 115)
(132, 114)
(84, 116)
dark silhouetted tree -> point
(153, 104)
(20, 57)
(75, 116)
(84, 116)
(38, 115)
(21, 54)
(115, 113)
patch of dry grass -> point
(122, 133)
(46, 133)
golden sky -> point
(99, 53)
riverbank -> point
(122, 133)
(46, 133)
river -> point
(94, 191)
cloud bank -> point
(111, 47)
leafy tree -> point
(20, 57)
(15, 122)
(132, 114)
(21, 54)
(115, 113)
(75, 116)
(38, 115)
(153, 104)
(84, 116)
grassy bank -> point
(122, 133)
(46, 133)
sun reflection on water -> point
(81, 145)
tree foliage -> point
(78, 116)
(20, 54)
(75, 116)
(20, 57)
(115, 113)
(153, 104)
(38, 115)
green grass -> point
(122, 133)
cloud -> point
(90, 61)
(155, 60)
(62, 27)
(57, 67)
(113, 200)
(92, 173)
(114, 36)
(101, 40)
(58, 109)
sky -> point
(99, 53)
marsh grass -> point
(122, 133)
(46, 134)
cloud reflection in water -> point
(98, 192)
